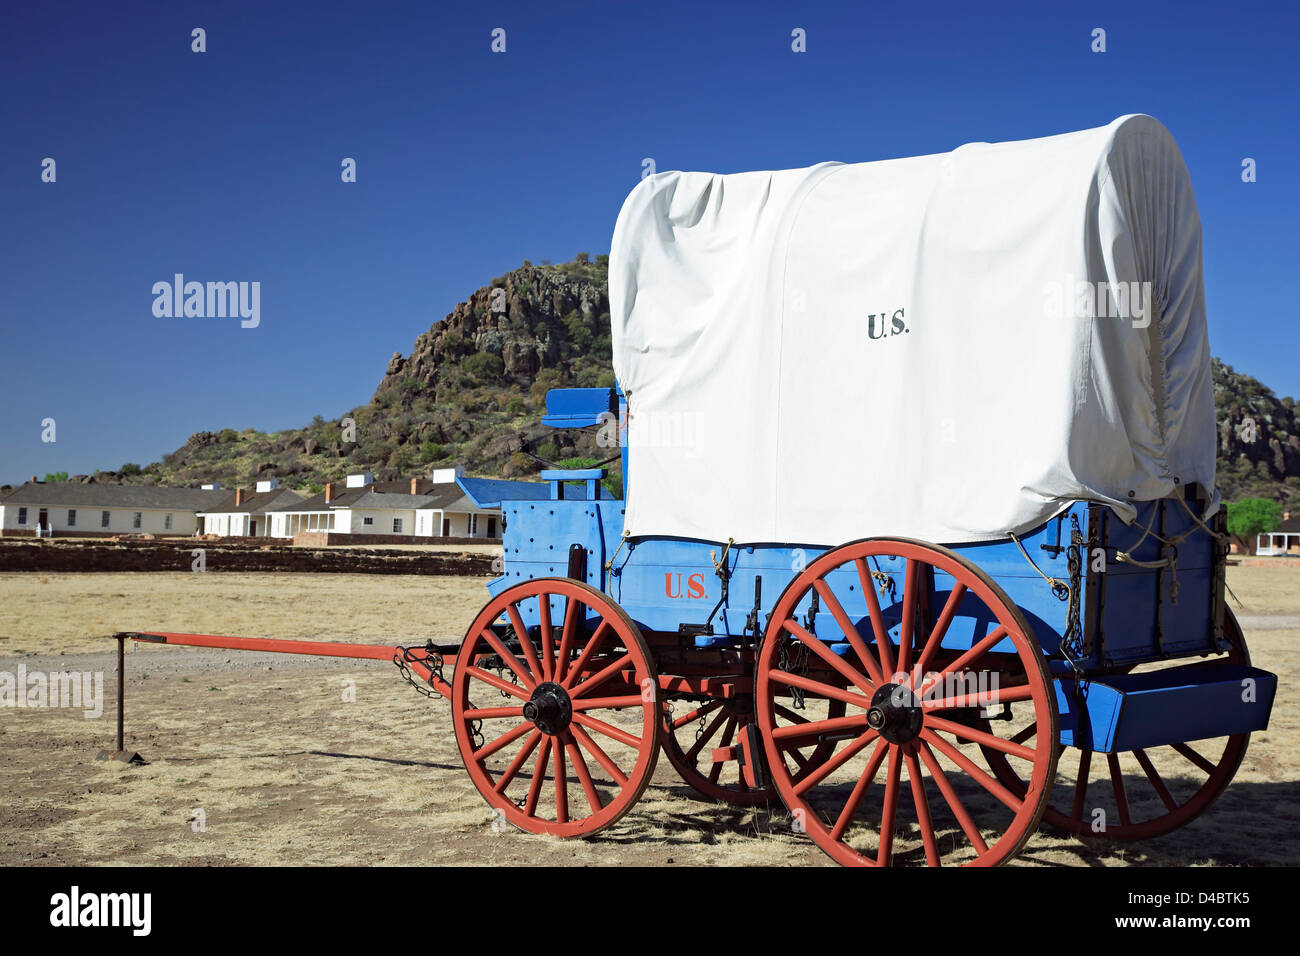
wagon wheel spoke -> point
(567, 636)
(1117, 782)
(975, 773)
(950, 797)
(493, 713)
(512, 662)
(702, 741)
(1081, 784)
(837, 663)
(883, 644)
(614, 733)
(1020, 736)
(583, 772)
(850, 631)
(492, 680)
(834, 763)
(820, 689)
(887, 815)
(601, 676)
(939, 632)
(982, 647)
(525, 643)
(1157, 783)
(596, 643)
(602, 758)
(728, 735)
(509, 737)
(859, 790)
(1194, 757)
(545, 636)
(788, 736)
(539, 775)
(922, 805)
(982, 698)
(907, 626)
(962, 732)
(512, 771)
(561, 785)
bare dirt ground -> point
(259, 759)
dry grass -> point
(287, 772)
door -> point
(492, 527)
(252, 527)
(446, 527)
(42, 522)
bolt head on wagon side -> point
(919, 534)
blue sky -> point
(225, 166)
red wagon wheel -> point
(575, 742)
(1097, 800)
(911, 708)
(691, 733)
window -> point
(136, 519)
(167, 523)
(368, 520)
(397, 526)
(103, 519)
(72, 517)
(22, 515)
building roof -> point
(1289, 526)
(96, 495)
(490, 492)
(256, 503)
(442, 497)
(376, 499)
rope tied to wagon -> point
(609, 565)
(1071, 645)
(1059, 588)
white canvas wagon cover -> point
(947, 347)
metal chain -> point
(432, 660)
(1072, 641)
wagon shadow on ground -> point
(1242, 828)
(1249, 825)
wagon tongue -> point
(550, 708)
(895, 713)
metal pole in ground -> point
(121, 688)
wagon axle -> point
(550, 708)
(895, 713)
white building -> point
(445, 505)
(244, 513)
(1282, 540)
(73, 509)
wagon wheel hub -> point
(550, 708)
(895, 713)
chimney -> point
(1286, 516)
(239, 496)
(421, 486)
(33, 480)
(329, 492)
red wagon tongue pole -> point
(374, 652)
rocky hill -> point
(471, 392)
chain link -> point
(432, 660)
